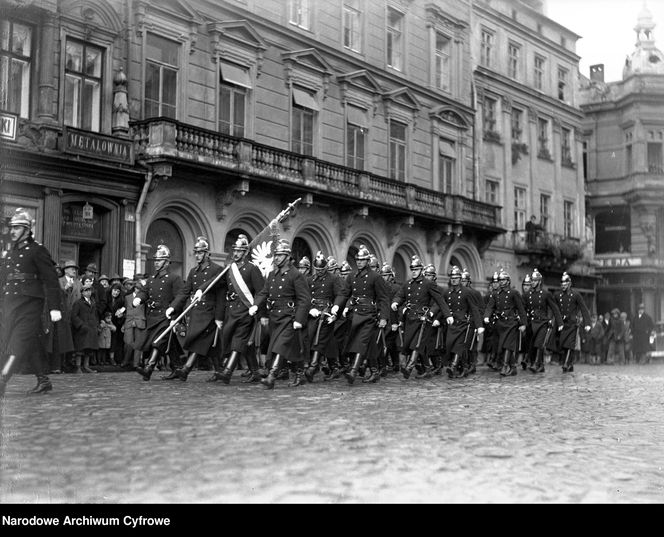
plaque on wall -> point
(75, 225)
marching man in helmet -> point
(542, 311)
(571, 304)
(328, 294)
(336, 359)
(304, 266)
(392, 336)
(28, 282)
(489, 348)
(510, 323)
(422, 299)
(462, 332)
(205, 318)
(369, 297)
(242, 281)
(288, 300)
(466, 281)
(159, 291)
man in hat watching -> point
(159, 291)
(98, 290)
(71, 287)
(28, 283)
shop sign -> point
(74, 223)
(8, 126)
(96, 145)
(612, 262)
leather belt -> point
(281, 302)
(22, 276)
(320, 302)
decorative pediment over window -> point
(438, 18)
(447, 114)
(360, 88)
(401, 104)
(237, 41)
(307, 68)
(178, 12)
(98, 18)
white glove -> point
(169, 312)
(395, 327)
(480, 330)
(560, 328)
(334, 310)
(265, 321)
(252, 310)
(436, 323)
(345, 312)
(486, 320)
(331, 319)
(55, 316)
(296, 325)
(587, 328)
(450, 320)
(394, 306)
(136, 302)
(522, 328)
(382, 323)
(219, 324)
(198, 294)
(314, 312)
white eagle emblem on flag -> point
(261, 255)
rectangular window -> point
(15, 64)
(628, 152)
(517, 125)
(302, 134)
(446, 165)
(161, 77)
(394, 39)
(568, 218)
(299, 13)
(562, 83)
(566, 146)
(486, 51)
(397, 151)
(543, 138)
(442, 62)
(83, 83)
(352, 25)
(519, 208)
(514, 60)
(357, 127)
(539, 73)
(489, 115)
(491, 192)
(233, 99)
(654, 157)
(545, 206)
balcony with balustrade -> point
(546, 250)
(195, 151)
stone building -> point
(624, 127)
(131, 123)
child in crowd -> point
(105, 335)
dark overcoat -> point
(570, 303)
(642, 327)
(466, 314)
(507, 306)
(327, 290)
(84, 322)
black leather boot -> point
(145, 372)
(410, 365)
(254, 375)
(452, 368)
(566, 362)
(183, 372)
(310, 371)
(374, 375)
(297, 379)
(268, 381)
(43, 385)
(352, 374)
(335, 373)
(227, 372)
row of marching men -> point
(326, 318)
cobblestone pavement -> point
(592, 436)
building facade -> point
(138, 122)
(624, 127)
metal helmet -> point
(21, 218)
(345, 268)
(494, 278)
(162, 252)
(465, 276)
(455, 272)
(373, 262)
(415, 263)
(362, 253)
(386, 270)
(283, 247)
(503, 278)
(242, 243)
(566, 281)
(527, 280)
(304, 263)
(430, 270)
(320, 261)
(536, 276)
(332, 264)
(201, 245)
